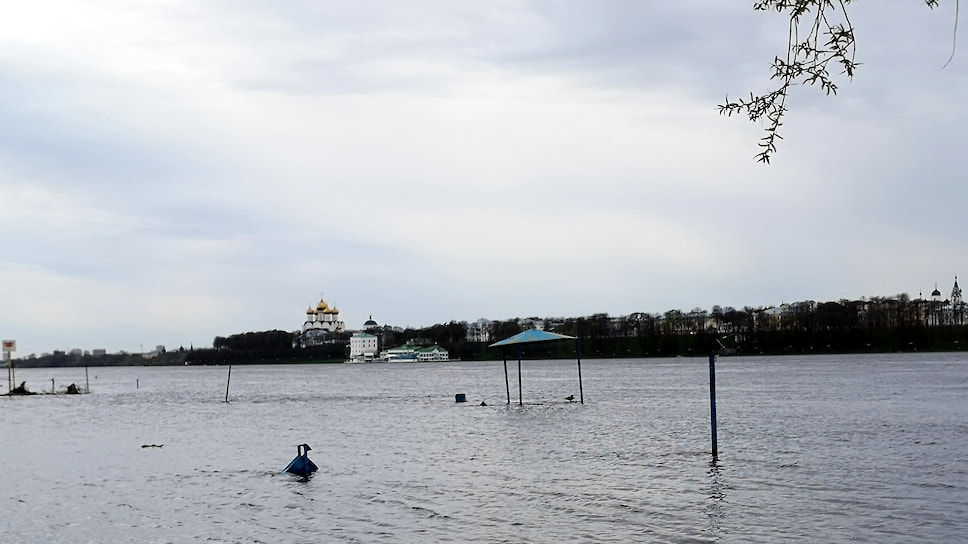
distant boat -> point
(407, 353)
(302, 465)
(402, 358)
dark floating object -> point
(302, 465)
(152, 445)
(483, 403)
(73, 390)
(21, 390)
(460, 397)
(570, 398)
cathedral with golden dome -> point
(322, 318)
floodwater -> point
(819, 449)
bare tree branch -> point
(827, 44)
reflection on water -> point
(811, 449)
(716, 505)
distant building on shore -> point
(410, 353)
(479, 331)
(364, 347)
(323, 317)
(946, 312)
(321, 322)
(933, 311)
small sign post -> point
(8, 347)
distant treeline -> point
(896, 324)
(269, 347)
(878, 325)
(63, 359)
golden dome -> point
(311, 310)
(322, 305)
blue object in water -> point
(302, 465)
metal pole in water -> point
(87, 380)
(520, 395)
(227, 382)
(52, 386)
(712, 401)
(137, 383)
(581, 392)
(507, 384)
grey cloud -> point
(625, 44)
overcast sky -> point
(175, 170)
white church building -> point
(320, 321)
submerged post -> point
(712, 400)
(520, 395)
(87, 380)
(507, 384)
(227, 382)
(581, 391)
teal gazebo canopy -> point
(534, 336)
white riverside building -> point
(409, 353)
(364, 347)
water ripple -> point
(811, 449)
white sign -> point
(9, 345)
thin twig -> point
(954, 37)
